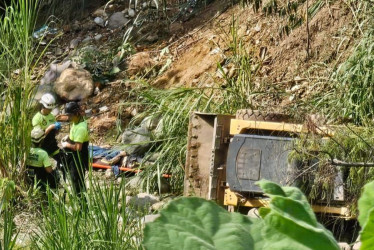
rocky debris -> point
(152, 38)
(42, 89)
(99, 21)
(134, 184)
(136, 141)
(161, 204)
(87, 40)
(89, 26)
(98, 37)
(75, 42)
(54, 71)
(131, 13)
(74, 84)
(109, 173)
(150, 218)
(139, 63)
(117, 20)
(142, 201)
(76, 26)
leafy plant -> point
(288, 223)
(194, 223)
(366, 216)
(349, 144)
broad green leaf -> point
(367, 234)
(263, 211)
(271, 188)
(366, 203)
(290, 222)
(195, 223)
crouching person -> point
(76, 147)
(38, 164)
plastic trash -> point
(44, 30)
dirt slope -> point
(284, 57)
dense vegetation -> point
(105, 218)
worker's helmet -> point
(37, 135)
(48, 101)
(72, 108)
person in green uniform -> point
(38, 163)
(47, 121)
(76, 147)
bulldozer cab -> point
(227, 154)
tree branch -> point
(337, 162)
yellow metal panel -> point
(233, 199)
(237, 126)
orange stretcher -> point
(101, 166)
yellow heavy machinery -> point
(228, 154)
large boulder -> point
(137, 141)
(74, 84)
(117, 20)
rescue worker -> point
(38, 163)
(76, 147)
(47, 121)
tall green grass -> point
(16, 89)
(8, 233)
(100, 219)
(351, 93)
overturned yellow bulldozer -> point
(227, 154)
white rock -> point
(87, 40)
(109, 173)
(143, 201)
(295, 88)
(150, 218)
(215, 51)
(98, 37)
(117, 20)
(131, 12)
(75, 42)
(99, 21)
(297, 79)
(258, 28)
